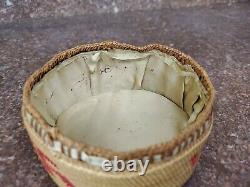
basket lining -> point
(96, 72)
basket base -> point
(123, 120)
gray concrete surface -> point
(12, 10)
(218, 37)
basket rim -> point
(165, 147)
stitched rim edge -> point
(150, 151)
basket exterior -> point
(66, 171)
(178, 157)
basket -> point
(97, 83)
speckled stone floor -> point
(217, 37)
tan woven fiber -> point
(179, 156)
(169, 173)
(164, 148)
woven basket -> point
(68, 161)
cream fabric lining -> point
(93, 73)
(120, 120)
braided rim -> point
(150, 151)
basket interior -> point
(120, 99)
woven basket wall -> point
(178, 158)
